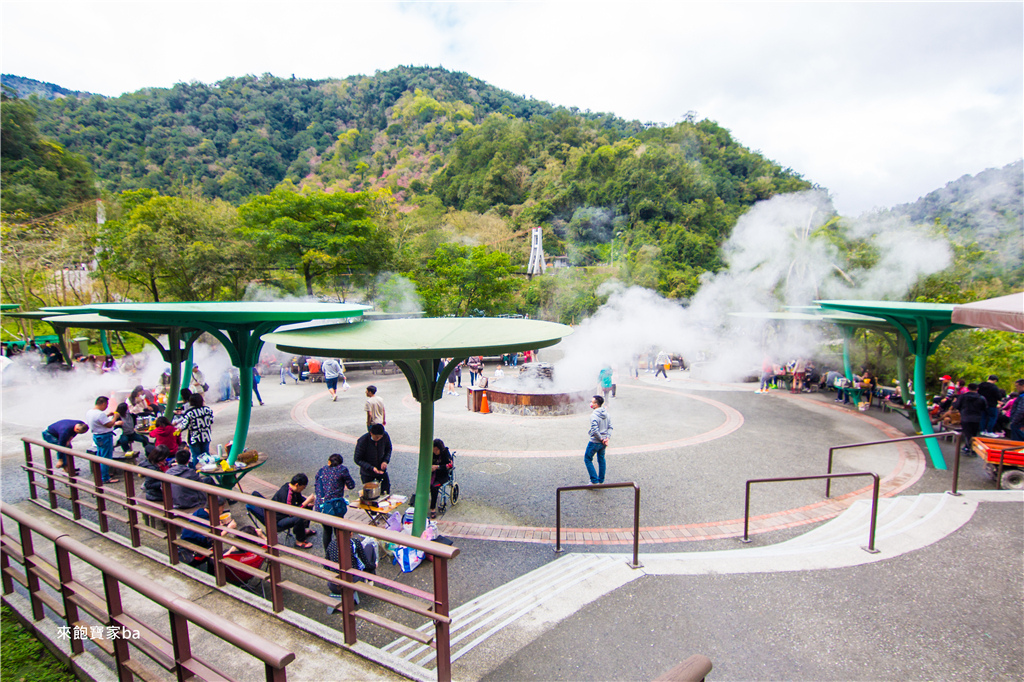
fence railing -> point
(828, 484)
(598, 486)
(53, 585)
(281, 559)
(874, 501)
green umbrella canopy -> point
(923, 326)
(238, 325)
(9, 306)
(417, 346)
(226, 314)
(419, 339)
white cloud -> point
(878, 102)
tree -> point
(319, 233)
(467, 282)
(182, 248)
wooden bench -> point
(385, 368)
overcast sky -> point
(878, 102)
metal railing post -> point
(558, 521)
(956, 466)
(874, 516)
(171, 529)
(213, 508)
(828, 482)
(874, 504)
(180, 645)
(599, 486)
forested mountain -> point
(987, 209)
(25, 87)
(439, 141)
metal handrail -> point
(277, 554)
(874, 501)
(182, 611)
(597, 486)
(828, 484)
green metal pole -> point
(105, 342)
(244, 410)
(419, 520)
(847, 336)
(921, 394)
(174, 357)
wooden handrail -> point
(270, 653)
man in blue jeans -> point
(600, 426)
(101, 422)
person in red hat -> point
(948, 393)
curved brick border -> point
(732, 422)
(909, 468)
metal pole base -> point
(869, 550)
(746, 541)
(559, 551)
(950, 492)
(634, 566)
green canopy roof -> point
(922, 326)
(415, 339)
(219, 314)
(417, 347)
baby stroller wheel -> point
(455, 494)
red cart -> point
(1004, 460)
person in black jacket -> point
(1017, 413)
(992, 395)
(291, 494)
(373, 454)
(972, 408)
(439, 468)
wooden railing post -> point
(348, 600)
(51, 487)
(276, 591)
(67, 592)
(32, 580)
(131, 505)
(31, 475)
(112, 591)
(442, 629)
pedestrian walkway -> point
(518, 613)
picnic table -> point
(232, 477)
(380, 509)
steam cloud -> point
(775, 260)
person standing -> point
(199, 422)
(972, 408)
(329, 491)
(256, 385)
(476, 366)
(375, 413)
(198, 383)
(992, 395)
(373, 455)
(332, 372)
(1017, 413)
(662, 364)
(62, 433)
(604, 377)
(101, 422)
(600, 428)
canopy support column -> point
(921, 348)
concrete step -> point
(479, 619)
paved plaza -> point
(941, 604)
